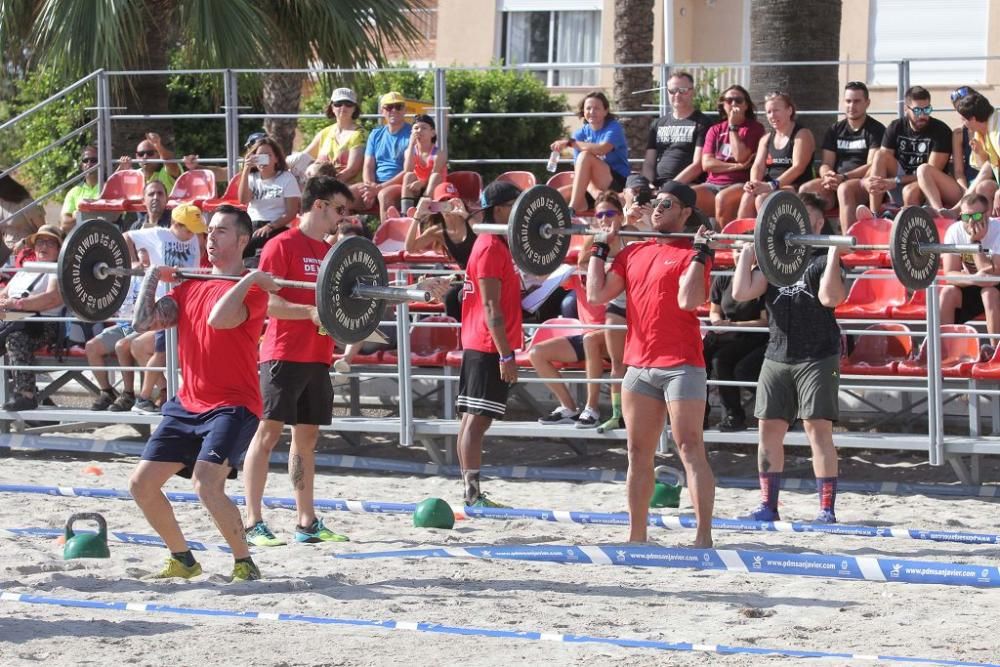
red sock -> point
(770, 484)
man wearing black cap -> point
(491, 331)
(664, 282)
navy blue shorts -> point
(160, 341)
(219, 436)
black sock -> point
(248, 559)
(184, 557)
(472, 492)
(404, 204)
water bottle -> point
(553, 162)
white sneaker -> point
(342, 367)
(560, 415)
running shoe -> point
(762, 513)
(732, 424)
(560, 415)
(259, 535)
(104, 400)
(174, 569)
(825, 516)
(483, 501)
(611, 424)
(245, 571)
(146, 406)
(588, 419)
(123, 403)
(317, 532)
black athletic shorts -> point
(615, 309)
(972, 302)
(617, 185)
(296, 392)
(480, 389)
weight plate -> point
(782, 214)
(535, 251)
(89, 245)
(347, 318)
(913, 225)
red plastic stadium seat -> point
(429, 346)
(542, 335)
(231, 196)
(957, 354)
(879, 355)
(192, 187)
(872, 231)
(577, 242)
(469, 185)
(522, 179)
(561, 179)
(122, 193)
(914, 309)
(872, 296)
(942, 225)
(390, 237)
(724, 258)
(453, 359)
(988, 370)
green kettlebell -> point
(433, 513)
(666, 495)
(87, 545)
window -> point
(532, 37)
(901, 29)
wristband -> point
(775, 185)
(570, 142)
(18, 304)
(899, 181)
(505, 358)
(734, 128)
(703, 257)
(600, 250)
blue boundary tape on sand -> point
(117, 536)
(467, 631)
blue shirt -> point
(612, 133)
(388, 149)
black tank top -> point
(780, 160)
(460, 251)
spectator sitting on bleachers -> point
(153, 158)
(271, 193)
(733, 355)
(385, 154)
(848, 150)
(154, 197)
(600, 153)
(105, 344)
(907, 144)
(16, 228)
(341, 144)
(673, 152)
(87, 189)
(31, 292)
(425, 166)
(973, 156)
(961, 300)
(589, 347)
(784, 157)
(320, 169)
(730, 149)
(447, 231)
(982, 121)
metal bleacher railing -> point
(410, 429)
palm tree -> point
(789, 30)
(634, 44)
(76, 37)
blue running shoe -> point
(825, 516)
(762, 513)
(316, 533)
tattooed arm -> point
(152, 314)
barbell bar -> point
(94, 271)
(540, 226)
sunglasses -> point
(973, 217)
(663, 203)
(152, 153)
(46, 241)
(343, 103)
(679, 90)
(959, 93)
(922, 111)
(733, 100)
(600, 215)
(339, 210)
(394, 107)
(254, 138)
(88, 160)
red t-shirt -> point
(218, 366)
(660, 334)
(490, 258)
(295, 256)
(586, 312)
(717, 145)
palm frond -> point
(225, 33)
(76, 37)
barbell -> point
(541, 224)
(94, 271)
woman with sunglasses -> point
(19, 217)
(784, 160)
(343, 142)
(270, 191)
(729, 151)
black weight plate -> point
(913, 225)
(783, 213)
(533, 251)
(347, 318)
(88, 245)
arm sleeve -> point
(357, 139)
(711, 140)
(953, 234)
(256, 303)
(290, 185)
(889, 138)
(651, 142)
(370, 145)
(877, 131)
(700, 131)
(716, 294)
(620, 263)
(616, 135)
(492, 265)
(273, 260)
(755, 132)
(942, 139)
(830, 139)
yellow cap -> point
(189, 215)
(391, 98)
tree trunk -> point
(282, 94)
(791, 30)
(634, 44)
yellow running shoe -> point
(244, 570)
(174, 569)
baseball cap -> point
(391, 97)
(446, 191)
(636, 181)
(47, 230)
(684, 193)
(189, 215)
(344, 95)
(499, 192)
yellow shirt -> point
(991, 144)
(338, 153)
